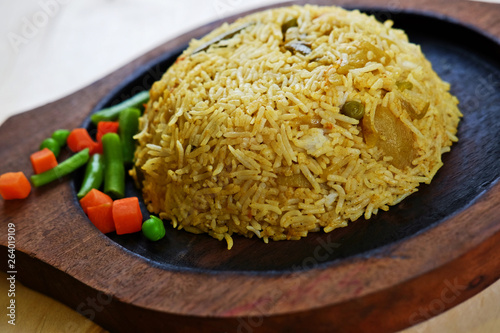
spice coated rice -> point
(249, 131)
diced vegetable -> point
(114, 171)
(127, 215)
(102, 217)
(60, 135)
(43, 160)
(94, 198)
(94, 175)
(51, 144)
(79, 139)
(129, 126)
(113, 112)
(64, 168)
(353, 109)
(14, 185)
(153, 228)
(104, 127)
(392, 136)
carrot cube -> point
(43, 160)
(79, 139)
(14, 185)
(102, 217)
(94, 198)
(127, 215)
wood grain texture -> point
(60, 254)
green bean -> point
(113, 112)
(153, 228)
(62, 169)
(114, 170)
(94, 174)
(353, 109)
(128, 127)
(60, 135)
(52, 145)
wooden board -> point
(371, 274)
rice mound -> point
(248, 133)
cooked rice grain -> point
(247, 136)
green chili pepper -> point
(114, 170)
(112, 113)
(62, 169)
(60, 136)
(94, 174)
(52, 144)
(128, 127)
(353, 109)
(153, 228)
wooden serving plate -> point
(436, 249)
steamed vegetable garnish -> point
(128, 127)
(102, 217)
(66, 167)
(94, 175)
(14, 185)
(153, 228)
(127, 215)
(51, 144)
(113, 112)
(114, 171)
(104, 127)
(60, 135)
(79, 139)
(94, 198)
(43, 160)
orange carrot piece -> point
(14, 185)
(127, 215)
(102, 217)
(43, 160)
(94, 198)
(104, 127)
(79, 139)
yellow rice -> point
(246, 136)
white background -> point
(51, 48)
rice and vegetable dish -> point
(289, 121)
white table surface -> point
(51, 48)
